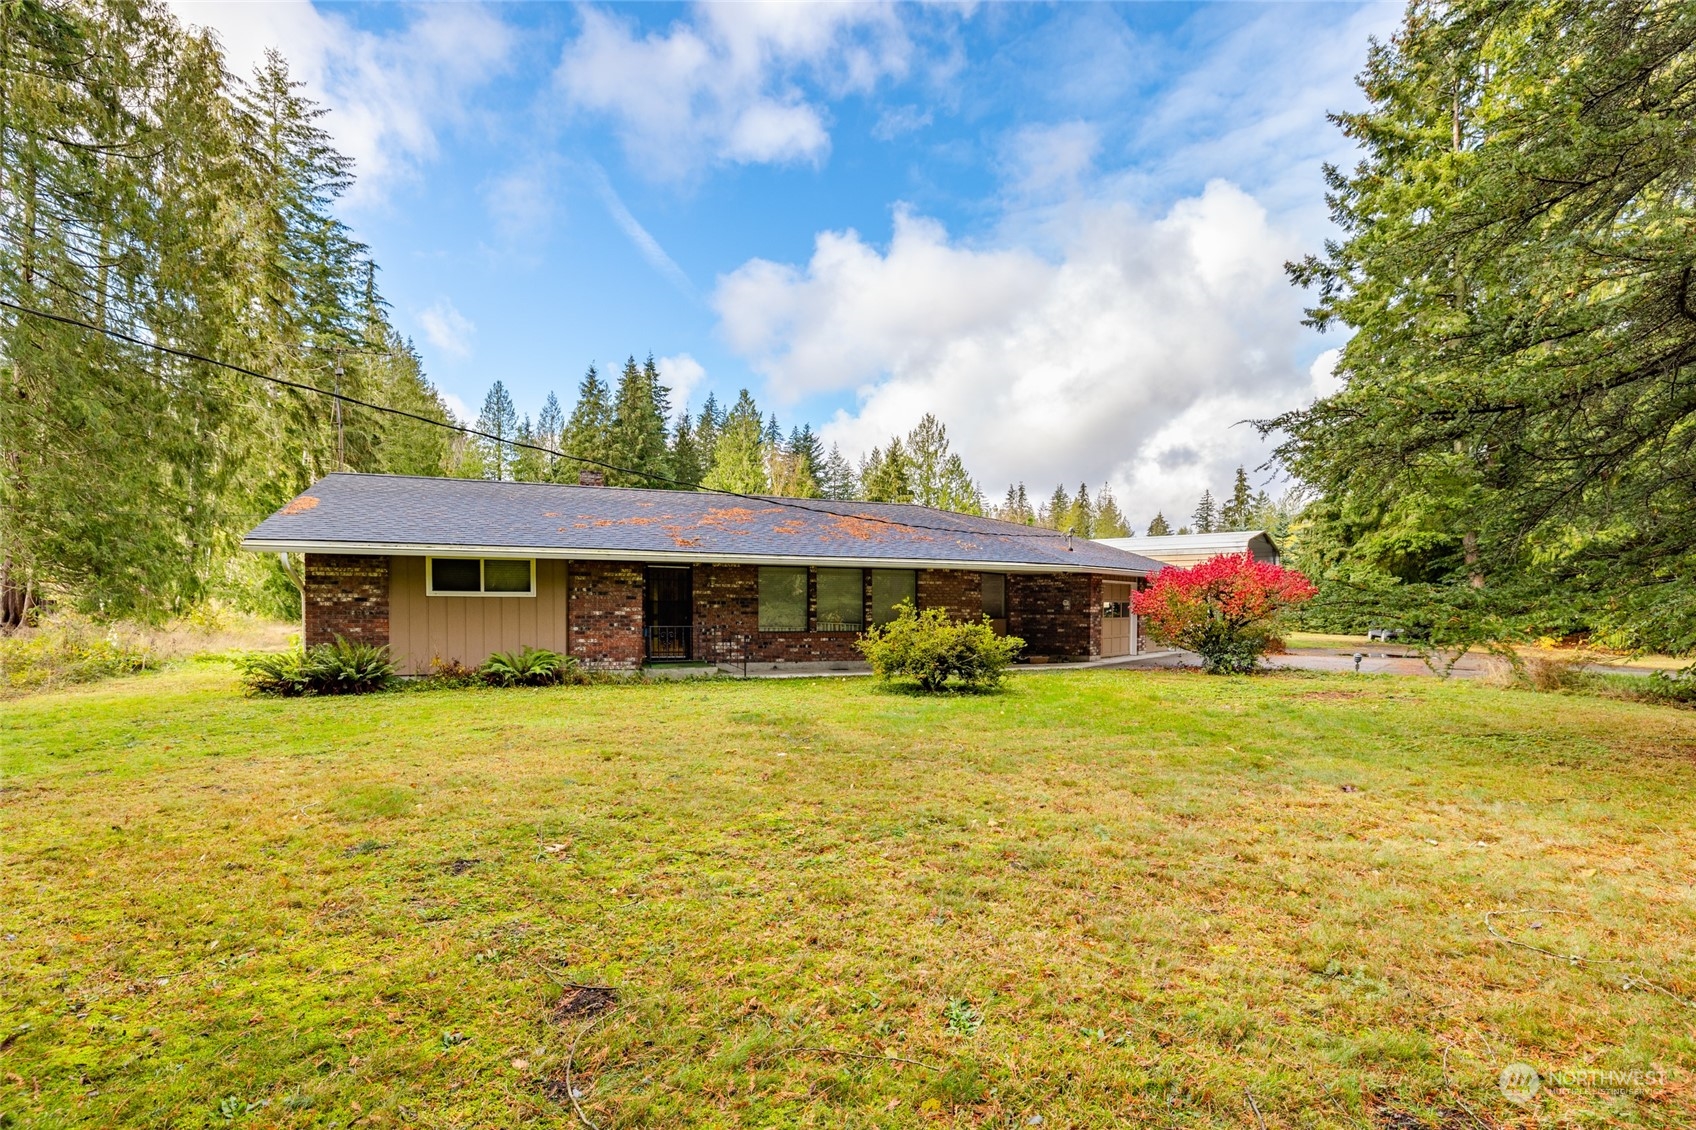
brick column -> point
(345, 595)
(604, 613)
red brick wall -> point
(960, 592)
(604, 613)
(727, 607)
(346, 596)
(1037, 613)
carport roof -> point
(410, 515)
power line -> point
(342, 398)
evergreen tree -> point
(550, 433)
(707, 427)
(787, 473)
(838, 480)
(1027, 514)
(1206, 516)
(499, 419)
(806, 445)
(773, 434)
(588, 434)
(886, 475)
(739, 451)
(687, 466)
(528, 464)
(1159, 528)
(637, 435)
(1237, 510)
(1109, 519)
(1058, 510)
(1081, 518)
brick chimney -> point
(591, 479)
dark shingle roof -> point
(401, 514)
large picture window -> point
(841, 601)
(783, 598)
(889, 588)
(480, 576)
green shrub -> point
(71, 650)
(932, 649)
(531, 667)
(341, 667)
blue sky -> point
(1059, 227)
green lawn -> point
(1104, 898)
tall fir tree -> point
(805, 444)
(1206, 516)
(886, 474)
(550, 432)
(739, 451)
(838, 480)
(1237, 510)
(1109, 519)
(687, 466)
(588, 434)
(637, 435)
(1081, 517)
(528, 464)
(1057, 511)
(1160, 527)
(499, 418)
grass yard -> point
(1104, 899)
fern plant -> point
(531, 667)
(341, 667)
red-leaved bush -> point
(1225, 609)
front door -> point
(1116, 619)
(669, 612)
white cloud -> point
(1144, 336)
(640, 236)
(725, 86)
(1043, 160)
(899, 120)
(446, 328)
(389, 92)
(521, 203)
(684, 376)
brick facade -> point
(727, 608)
(960, 592)
(604, 613)
(347, 596)
(1058, 615)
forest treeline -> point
(627, 433)
(1510, 452)
(147, 191)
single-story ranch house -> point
(445, 570)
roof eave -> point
(681, 557)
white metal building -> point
(1192, 549)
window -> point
(841, 601)
(995, 595)
(889, 588)
(783, 598)
(480, 576)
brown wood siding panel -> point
(468, 628)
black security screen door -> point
(669, 612)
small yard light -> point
(1357, 658)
